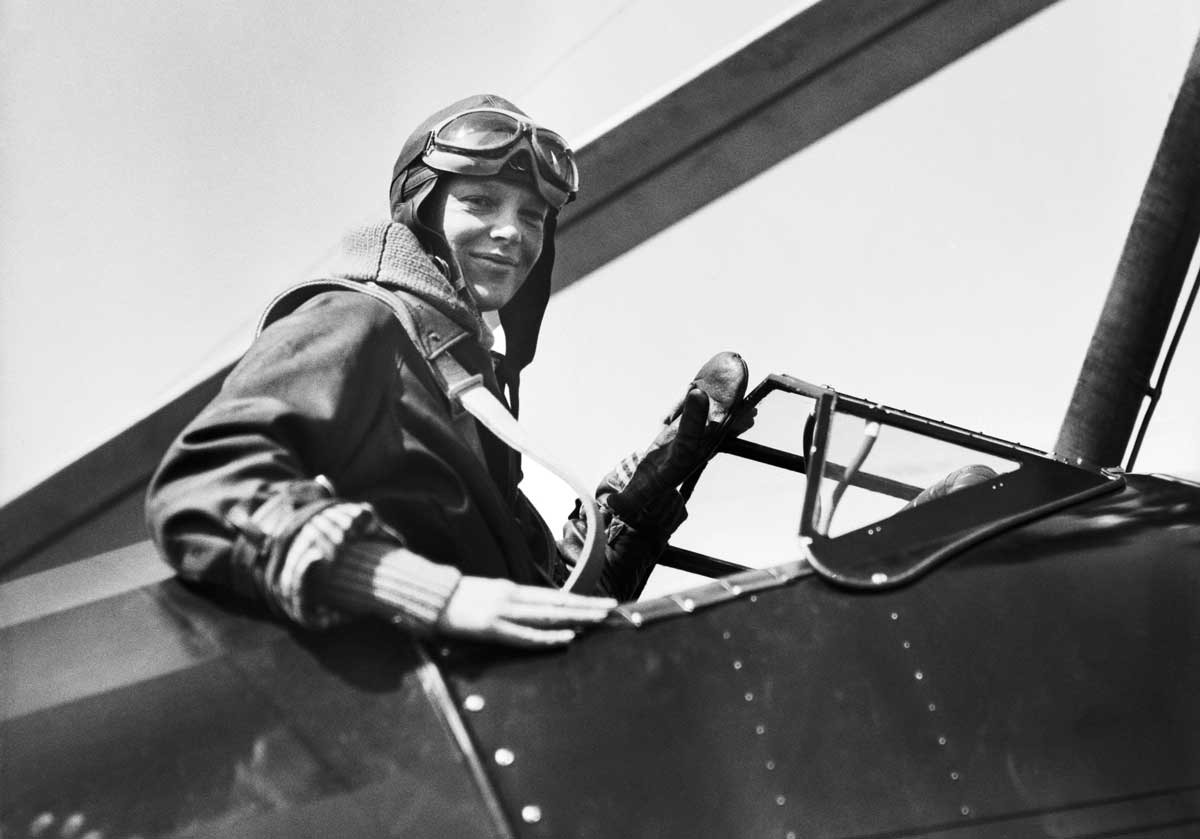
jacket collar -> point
(388, 253)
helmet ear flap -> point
(428, 204)
(521, 317)
(418, 208)
(410, 189)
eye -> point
(478, 201)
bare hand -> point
(486, 609)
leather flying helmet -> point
(488, 136)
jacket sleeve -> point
(240, 502)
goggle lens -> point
(480, 131)
(554, 152)
(492, 133)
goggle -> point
(484, 141)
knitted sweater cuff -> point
(375, 577)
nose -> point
(507, 227)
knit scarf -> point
(389, 253)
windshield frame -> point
(907, 544)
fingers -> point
(694, 418)
(501, 611)
(537, 594)
(527, 636)
(543, 616)
(540, 607)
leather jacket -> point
(334, 405)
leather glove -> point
(643, 487)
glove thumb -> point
(685, 449)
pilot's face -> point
(494, 229)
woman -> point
(332, 477)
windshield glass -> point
(874, 470)
(743, 510)
(822, 477)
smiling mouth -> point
(497, 259)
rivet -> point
(932, 707)
(445, 652)
(870, 531)
(725, 635)
(474, 702)
(879, 528)
(760, 729)
(895, 616)
(878, 578)
(737, 665)
(505, 757)
(770, 765)
(907, 645)
(689, 604)
(942, 740)
(635, 618)
(954, 776)
(41, 823)
(780, 800)
(965, 810)
(918, 675)
(531, 814)
(754, 598)
(749, 696)
(791, 834)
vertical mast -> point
(1120, 360)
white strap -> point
(482, 404)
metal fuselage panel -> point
(1042, 683)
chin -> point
(489, 299)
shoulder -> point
(335, 336)
(339, 315)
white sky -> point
(165, 168)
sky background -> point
(166, 168)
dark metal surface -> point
(697, 563)
(917, 539)
(158, 713)
(1041, 684)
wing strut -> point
(1116, 377)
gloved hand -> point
(676, 452)
(642, 485)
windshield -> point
(865, 494)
